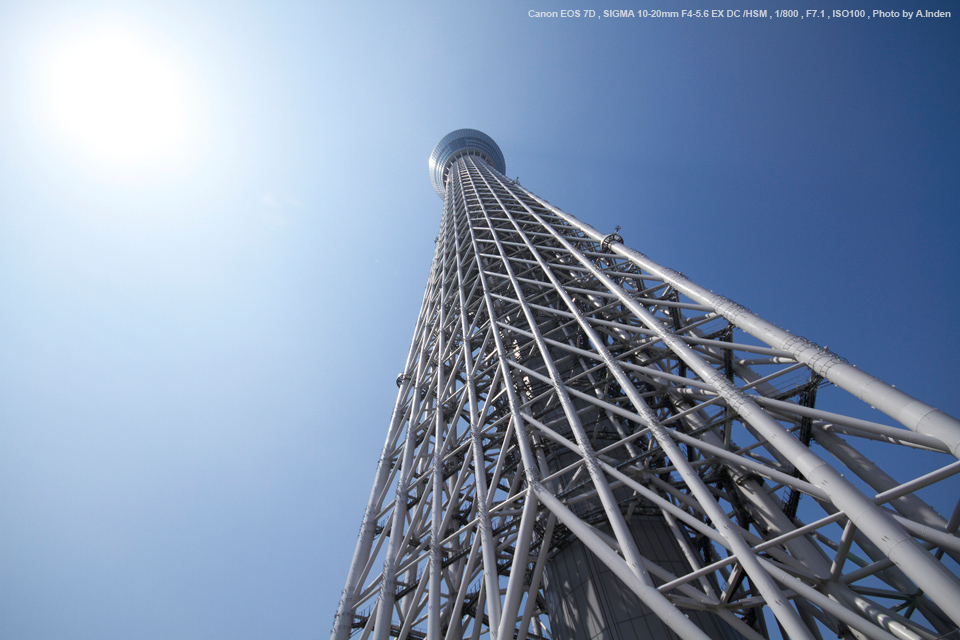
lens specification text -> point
(724, 14)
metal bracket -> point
(611, 238)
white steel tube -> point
(900, 547)
(912, 413)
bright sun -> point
(117, 96)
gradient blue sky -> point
(197, 361)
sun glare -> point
(117, 96)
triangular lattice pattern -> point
(586, 444)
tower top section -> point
(460, 143)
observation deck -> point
(460, 143)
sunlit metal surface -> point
(587, 444)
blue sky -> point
(198, 355)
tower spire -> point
(588, 444)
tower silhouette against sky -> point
(587, 444)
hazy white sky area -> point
(216, 225)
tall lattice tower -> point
(588, 445)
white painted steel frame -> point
(533, 323)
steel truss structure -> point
(578, 426)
